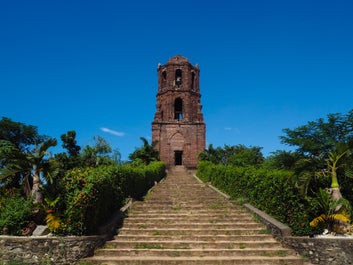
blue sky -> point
(91, 66)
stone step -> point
(179, 232)
(270, 252)
(211, 206)
(199, 260)
(192, 244)
(185, 222)
(223, 214)
(160, 237)
(190, 225)
(181, 210)
(194, 218)
(197, 200)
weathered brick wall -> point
(187, 132)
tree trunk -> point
(36, 193)
(26, 187)
(336, 195)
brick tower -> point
(178, 125)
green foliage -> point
(15, 212)
(238, 155)
(22, 136)
(332, 211)
(94, 194)
(97, 155)
(318, 138)
(269, 190)
(23, 166)
(70, 143)
(146, 153)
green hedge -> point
(268, 190)
(15, 212)
(92, 195)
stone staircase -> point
(183, 221)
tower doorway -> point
(178, 158)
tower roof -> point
(178, 59)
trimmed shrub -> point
(15, 212)
(268, 190)
(92, 195)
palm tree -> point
(40, 166)
(330, 215)
(147, 153)
(333, 165)
(28, 165)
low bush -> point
(92, 195)
(15, 212)
(268, 190)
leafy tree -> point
(97, 155)
(72, 158)
(22, 152)
(318, 145)
(30, 166)
(281, 159)
(238, 155)
(70, 143)
(16, 137)
(242, 156)
(22, 136)
(214, 155)
(116, 157)
(146, 153)
(318, 138)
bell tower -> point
(178, 126)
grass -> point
(265, 232)
(148, 246)
(242, 246)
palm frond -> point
(320, 219)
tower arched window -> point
(178, 109)
(192, 80)
(178, 77)
(164, 78)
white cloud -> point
(112, 132)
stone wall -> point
(323, 251)
(319, 250)
(45, 250)
(48, 250)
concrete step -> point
(185, 225)
(211, 215)
(159, 237)
(185, 222)
(199, 260)
(192, 244)
(183, 232)
(180, 210)
(187, 218)
(195, 252)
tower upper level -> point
(178, 74)
(178, 97)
